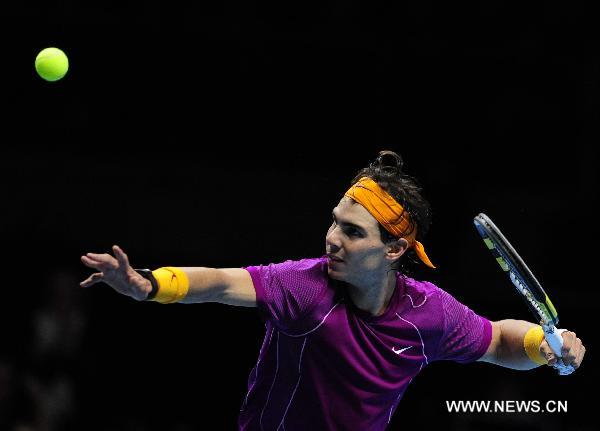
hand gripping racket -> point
(527, 285)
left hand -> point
(572, 352)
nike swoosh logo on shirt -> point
(397, 352)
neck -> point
(374, 295)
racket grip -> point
(554, 338)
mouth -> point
(334, 258)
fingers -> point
(92, 279)
(547, 353)
(90, 262)
(121, 256)
(102, 262)
(572, 349)
(98, 265)
(569, 346)
(105, 263)
(580, 356)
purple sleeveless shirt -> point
(326, 365)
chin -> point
(335, 275)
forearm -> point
(230, 286)
(510, 352)
(204, 284)
(182, 284)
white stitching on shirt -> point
(256, 368)
(295, 388)
(418, 332)
(413, 304)
(399, 395)
(316, 327)
(272, 384)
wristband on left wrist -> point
(147, 274)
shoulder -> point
(418, 288)
(303, 270)
(454, 330)
(421, 292)
(290, 291)
(422, 303)
(305, 264)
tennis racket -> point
(527, 285)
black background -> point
(222, 134)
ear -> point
(396, 249)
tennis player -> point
(346, 332)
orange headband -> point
(388, 212)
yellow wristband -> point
(173, 284)
(532, 341)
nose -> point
(332, 240)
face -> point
(354, 238)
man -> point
(345, 333)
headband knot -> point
(387, 211)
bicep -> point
(491, 354)
(506, 348)
(236, 288)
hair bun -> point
(388, 162)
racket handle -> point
(555, 341)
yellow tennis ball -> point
(51, 64)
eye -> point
(352, 232)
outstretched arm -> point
(232, 286)
(507, 347)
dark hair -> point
(386, 170)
